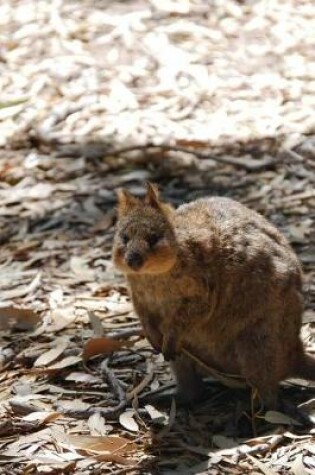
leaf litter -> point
(201, 97)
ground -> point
(201, 97)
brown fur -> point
(222, 282)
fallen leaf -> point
(297, 467)
(96, 324)
(12, 103)
(156, 416)
(127, 421)
(61, 318)
(66, 362)
(21, 318)
(101, 346)
(310, 448)
(262, 466)
(104, 223)
(22, 290)
(97, 425)
(102, 445)
(41, 416)
(50, 355)
(40, 191)
(223, 442)
(83, 378)
(73, 404)
(275, 417)
(81, 270)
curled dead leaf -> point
(103, 445)
(41, 416)
(127, 421)
(102, 346)
(21, 318)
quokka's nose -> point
(134, 260)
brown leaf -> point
(22, 318)
(41, 416)
(114, 458)
(103, 445)
(104, 223)
(191, 143)
(101, 346)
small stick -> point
(145, 381)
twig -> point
(159, 390)
(114, 386)
(125, 333)
(248, 164)
(146, 380)
(104, 151)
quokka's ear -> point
(152, 195)
(126, 201)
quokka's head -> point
(144, 241)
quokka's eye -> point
(125, 238)
(153, 239)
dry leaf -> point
(127, 421)
(275, 417)
(104, 222)
(223, 442)
(22, 318)
(96, 324)
(262, 466)
(97, 425)
(103, 445)
(66, 362)
(22, 290)
(41, 416)
(156, 416)
(51, 355)
(297, 467)
(62, 318)
(101, 346)
(79, 267)
(83, 378)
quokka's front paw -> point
(171, 346)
